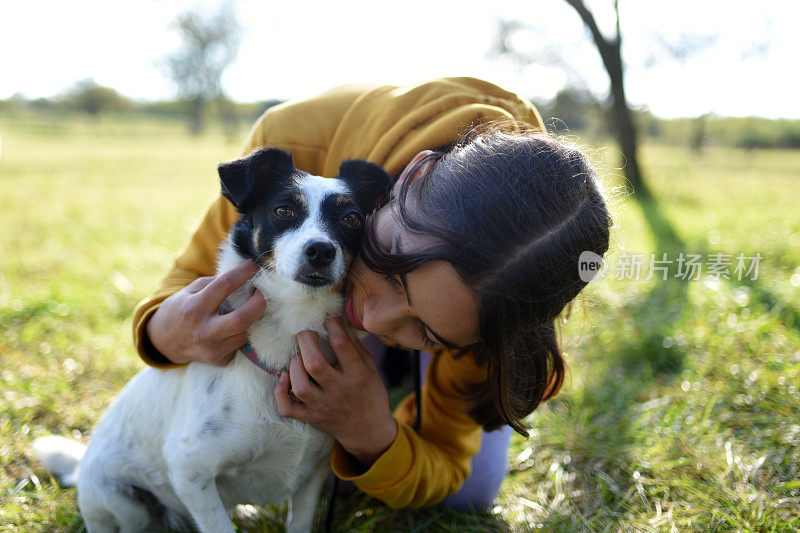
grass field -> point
(682, 406)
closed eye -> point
(430, 343)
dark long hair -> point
(511, 211)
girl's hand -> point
(189, 327)
(348, 400)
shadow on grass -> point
(603, 415)
(359, 512)
(788, 314)
(640, 348)
(648, 351)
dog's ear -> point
(369, 182)
(245, 181)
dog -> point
(179, 448)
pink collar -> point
(251, 354)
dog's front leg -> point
(303, 503)
(195, 484)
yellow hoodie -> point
(386, 125)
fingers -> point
(240, 319)
(199, 284)
(312, 358)
(345, 348)
(223, 285)
(223, 352)
(287, 407)
(231, 344)
(302, 386)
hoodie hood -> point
(389, 125)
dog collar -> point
(251, 354)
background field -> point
(681, 410)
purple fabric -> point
(489, 466)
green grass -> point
(681, 410)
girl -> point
(472, 259)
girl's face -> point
(428, 308)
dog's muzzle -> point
(316, 268)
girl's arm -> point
(381, 453)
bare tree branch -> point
(591, 24)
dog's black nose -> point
(320, 253)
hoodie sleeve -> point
(421, 468)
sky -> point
(741, 62)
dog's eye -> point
(352, 219)
(283, 211)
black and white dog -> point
(179, 448)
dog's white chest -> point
(279, 470)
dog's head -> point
(303, 227)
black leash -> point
(416, 389)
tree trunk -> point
(610, 53)
(627, 136)
(196, 118)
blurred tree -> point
(89, 97)
(209, 47)
(609, 49)
(698, 138)
(610, 52)
(549, 50)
